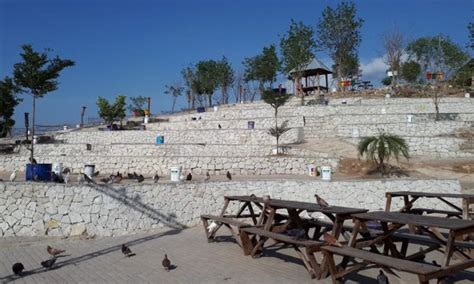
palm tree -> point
(381, 148)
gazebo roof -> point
(315, 67)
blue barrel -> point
(201, 109)
(250, 124)
(42, 171)
(160, 139)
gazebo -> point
(311, 77)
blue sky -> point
(137, 47)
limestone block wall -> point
(218, 165)
(38, 209)
(438, 147)
(259, 123)
(210, 136)
(420, 129)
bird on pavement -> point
(126, 251)
(88, 179)
(189, 177)
(382, 278)
(18, 268)
(54, 251)
(219, 125)
(96, 174)
(208, 176)
(13, 176)
(166, 263)
(140, 178)
(66, 178)
(105, 179)
(118, 178)
(156, 177)
(321, 202)
(228, 175)
(130, 176)
(66, 171)
(331, 240)
(48, 263)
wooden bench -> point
(253, 247)
(424, 271)
(428, 211)
(220, 220)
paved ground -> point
(100, 261)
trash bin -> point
(175, 173)
(89, 170)
(250, 124)
(312, 170)
(41, 171)
(326, 173)
(160, 139)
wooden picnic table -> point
(268, 225)
(410, 197)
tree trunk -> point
(210, 100)
(339, 74)
(174, 102)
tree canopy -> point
(207, 78)
(8, 102)
(262, 68)
(112, 112)
(225, 78)
(410, 71)
(175, 90)
(437, 54)
(339, 33)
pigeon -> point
(135, 175)
(228, 175)
(130, 176)
(211, 227)
(66, 171)
(54, 251)
(33, 161)
(96, 174)
(80, 178)
(126, 250)
(105, 179)
(48, 263)
(118, 178)
(66, 178)
(156, 177)
(331, 240)
(55, 177)
(208, 176)
(189, 177)
(435, 263)
(13, 176)
(382, 278)
(266, 198)
(88, 179)
(321, 202)
(140, 178)
(18, 268)
(166, 263)
(219, 125)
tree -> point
(381, 148)
(8, 102)
(386, 81)
(339, 33)
(470, 27)
(137, 104)
(438, 55)
(297, 47)
(262, 68)
(175, 90)
(225, 77)
(112, 112)
(276, 100)
(350, 66)
(393, 43)
(190, 79)
(410, 71)
(207, 78)
(37, 75)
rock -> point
(51, 224)
(78, 229)
(75, 218)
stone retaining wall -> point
(188, 136)
(38, 209)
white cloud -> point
(374, 70)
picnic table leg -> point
(226, 204)
(449, 249)
(306, 262)
(246, 242)
(355, 232)
(388, 203)
(332, 266)
(206, 224)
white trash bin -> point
(175, 173)
(89, 170)
(311, 170)
(326, 173)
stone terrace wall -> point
(245, 165)
(38, 209)
(188, 136)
